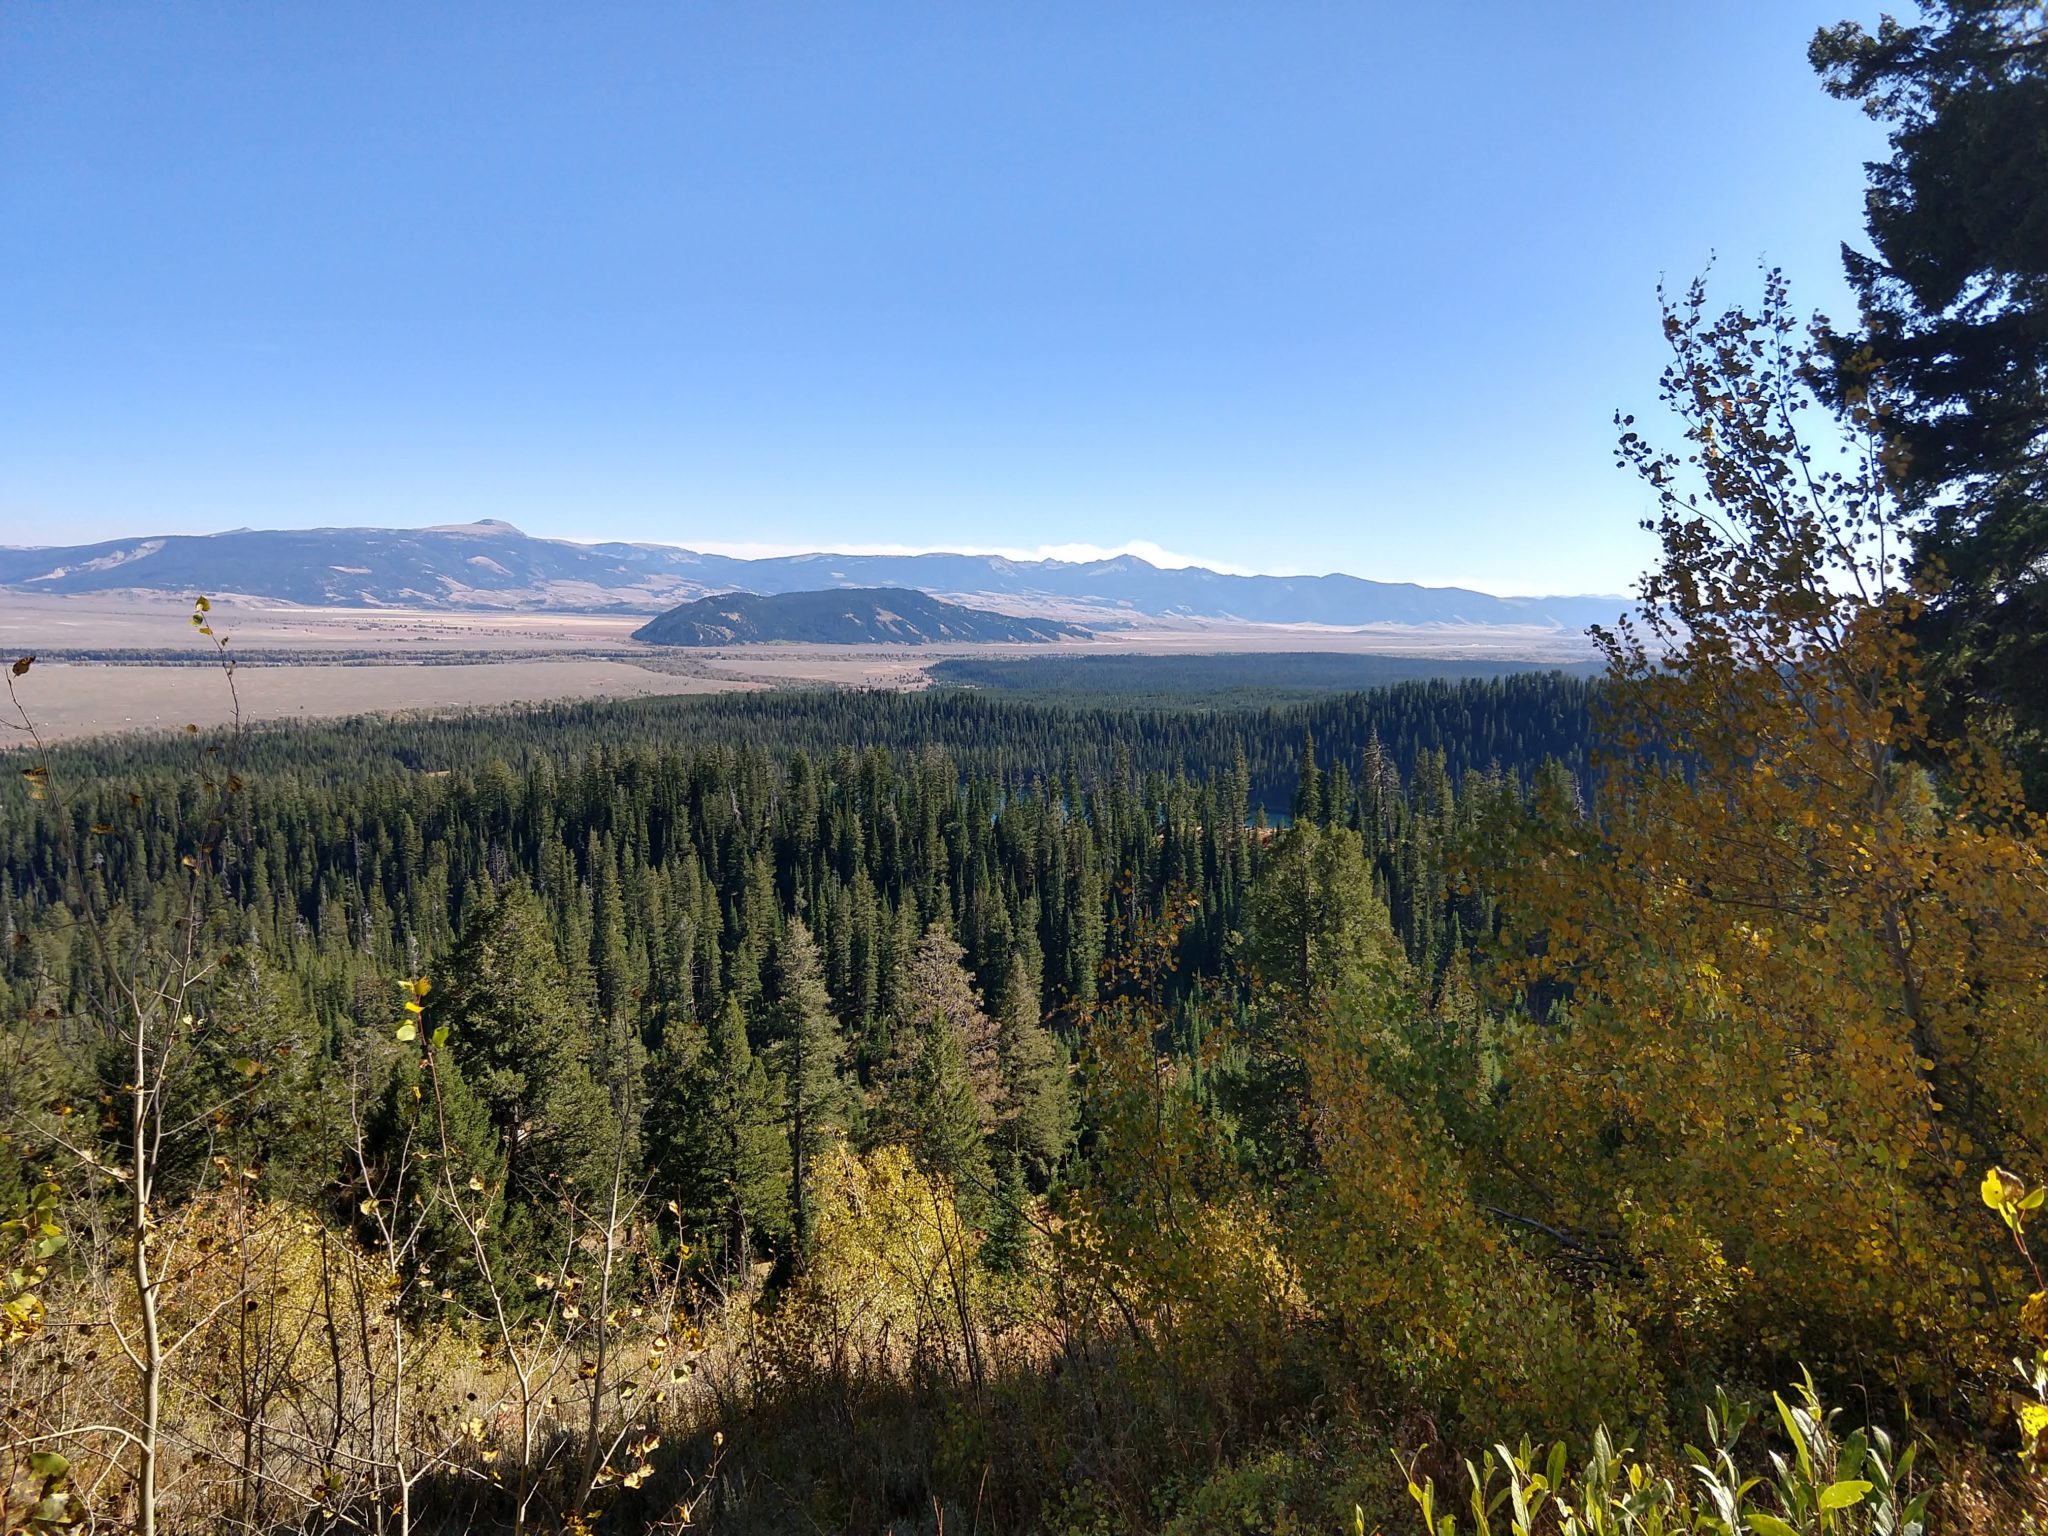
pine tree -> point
(427, 1141)
(1315, 928)
(610, 959)
(716, 1141)
(753, 932)
(943, 1117)
(505, 1003)
(938, 987)
(1317, 941)
(1954, 334)
(257, 1084)
(1308, 792)
(1337, 801)
(808, 1054)
(1009, 1228)
(1087, 926)
(1237, 808)
(1038, 1092)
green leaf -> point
(407, 1031)
(48, 1464)
(50, 1247)
(441, 1035)
(1770, 1525)
(1843, 1494)
(1795, 1431)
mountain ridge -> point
(493, 565)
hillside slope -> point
(856, 616)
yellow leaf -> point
(2001, 1190)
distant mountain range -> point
(848, 616)
(493, 565)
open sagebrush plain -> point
(132, 661)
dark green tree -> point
(942, 1120)
(808, 1054)
(937, 987)
(1009, 1229)
(1316, 929)
(1308, 793)
(429, 1142)
(1317, 940)
(504, 1000)
(256, 1085)
(1954, 298)
(715, 1140)
(1038, 1103)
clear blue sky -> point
(1285, 285)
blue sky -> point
(1283, 286)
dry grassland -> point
(132, 662)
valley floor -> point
(112, 664)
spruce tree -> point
(943, 1119)
(1953, 294)
(716, 1142)
(1009, 1230)
(937, 987)
(256, 1085)
(429, 1141)
(1316, 931)
(504, 1000)
(1038, 1092)
(808, 1053)
(1308, 792)
(1316, 940)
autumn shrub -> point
(1426, 1286)
(891, 1288)
(1787, 972)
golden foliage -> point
(890, 1285)
(1796, 949)
(1397, 1248)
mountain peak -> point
(491, 527)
